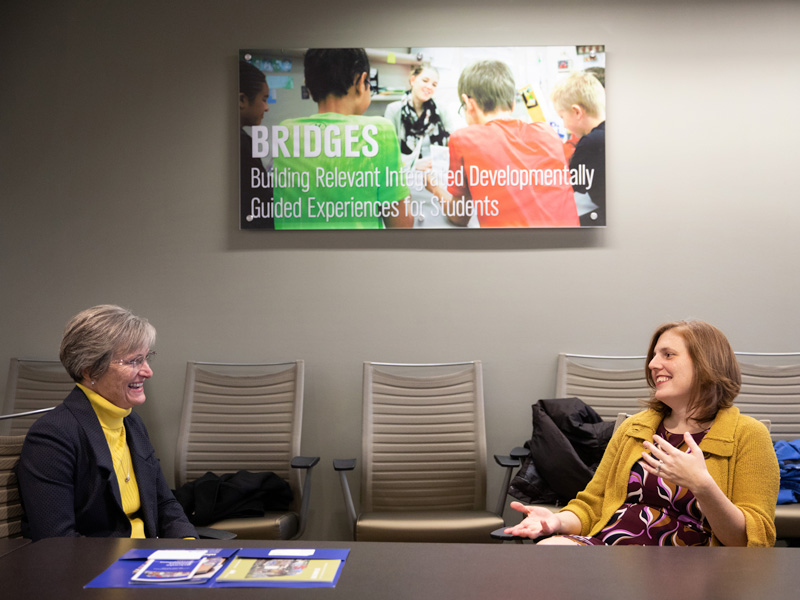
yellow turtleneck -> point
(110, 417)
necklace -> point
(127, 466)
(121, 456)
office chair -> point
(424, 456)
(615, 384)
(33, 385)
(610, 385)
(247, 417)
(10, 503)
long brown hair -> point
(717, 378)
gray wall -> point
(118, 168)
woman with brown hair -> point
(689, 470)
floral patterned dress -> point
(656, 512)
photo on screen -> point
(437, 138)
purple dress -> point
(656, 512)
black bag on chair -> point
(212, 497)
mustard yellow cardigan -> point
(739, 456)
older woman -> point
(88, 467)
(690, 470)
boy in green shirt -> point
(338, 169)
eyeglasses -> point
(462, 106)
(136, 363)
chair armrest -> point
(307, 463)
(342, 465)
(519, 452)
(508, 463)
(304, 462)
(500, 534)
(209, 533)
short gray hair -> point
(95, 335)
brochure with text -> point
(224, 567)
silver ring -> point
(658, 468)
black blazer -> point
(69, 487)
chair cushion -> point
(427, 526)
(272, 526)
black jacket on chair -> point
(566, 445)
(69, 487)
(213, 497)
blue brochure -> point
(224, 567)
(147, 568)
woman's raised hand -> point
(538, 522)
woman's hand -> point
(538, 522)
(687, 469)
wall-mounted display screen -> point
(383, 138)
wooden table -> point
(9, 545)
(59, 568)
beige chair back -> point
(424, 437)
(241, 417)
(611, 385)
(33, 385)
(10, 504)
(620, 419)
(772, 393)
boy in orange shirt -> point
(507, 172)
